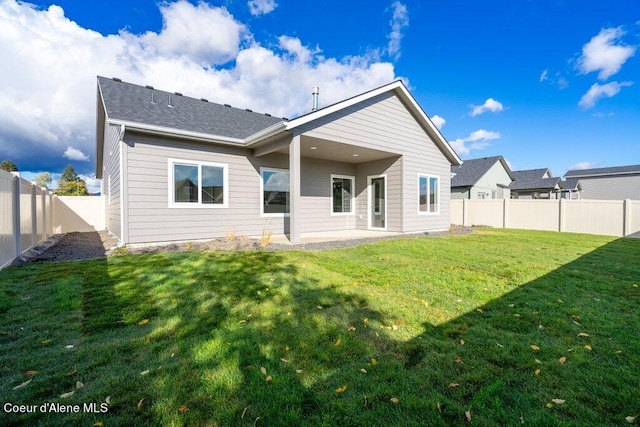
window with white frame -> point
(198, 184)
(275, 191)
(342, 190)
(428, 194)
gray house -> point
(535, 184)
(571, 189)
(614, 183)
(485, 178)
(180, 168)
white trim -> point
(199, 205)
(123, 198)
(369, 183)
(428, 177)
(270, 215)
(353, 197)
(266, 133)
(165, 131)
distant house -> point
(485, 178)
(535, 184)
(180, 168)
(571, 189)
(614, 183)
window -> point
(198, 184)
(342, 200)
(275, 192)
(428, 194)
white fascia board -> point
(399, 88)
(160, 130)
(266, 133)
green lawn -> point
(494, 326)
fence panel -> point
(486, 212)
(79, 213)
(455, 209)
(634, 220)
(26, 215)
(40, 217)
(594, 217)
(7, 219)
(534, 214)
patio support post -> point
(294, 190)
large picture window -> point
(428, 194)
(197, 184)
(342, 190)
(275, 191)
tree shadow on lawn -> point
(244, 338)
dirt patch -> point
(90, 245)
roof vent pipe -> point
(170, 104)
(315, 92)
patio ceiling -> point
(336, 151)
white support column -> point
(294, 190)
(626, 219)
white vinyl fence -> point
(29, 215)
(607, 217)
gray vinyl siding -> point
(489, 182)
(315, 192)
(151, 220)
(611, 188)
(111, 180)
(384, 123)
(392, 168)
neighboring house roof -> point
(572, 184)
(533, 179)
(612, 171)
(471, 171)
(131, 106)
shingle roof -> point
(617, 170)
(532, 179)
(571, 184)
(133, 103)
(470, 172)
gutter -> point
(163, 131)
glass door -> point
(377, 202)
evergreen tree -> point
(8, 166)
(70, 184)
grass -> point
(442, 326)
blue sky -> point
(543, 83)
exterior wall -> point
(111, 180)
(488, 184)
(392, 169)
(150, 219)
(384, 123)
(316, 197)
(611, 188)
(460, 193)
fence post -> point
(626, 217)
(561, 214)
(34, 216)
(17, 233)
(465, 213)
(505, 213)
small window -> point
(428, 194)
(275, 192)
(197, 184)
(342, 189)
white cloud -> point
(489, 105)
(597, 92)
(438, 121)
(605, 53)
(544, 76)
(261, 7)
(399, 21)
(93, 183)
(583, 165)
(41, 117)
(206, 34)
(476, 140)
(75, 154)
